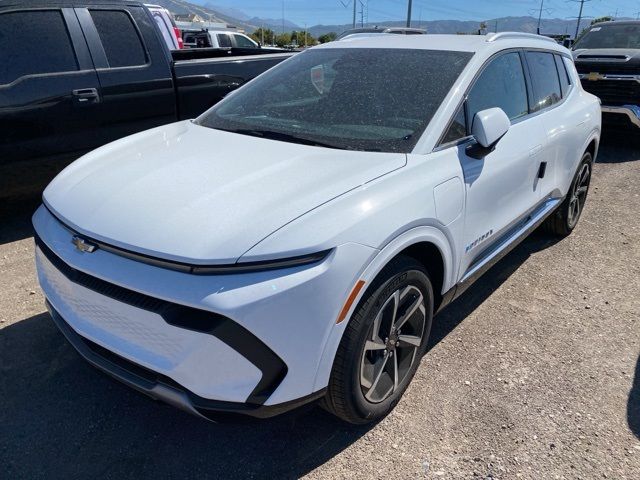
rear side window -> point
(34, 42)
(565, 82)
(224, 41)
(119, 37)
(544, 73)
(501, 84)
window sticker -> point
(317, 78)
(596, 29)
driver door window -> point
(501, 84)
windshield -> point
(611, 36)
(346, 98)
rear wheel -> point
(383, 344)
(566, 217)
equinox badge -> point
(82, 245)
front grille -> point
(614, 92)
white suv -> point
(294, 242)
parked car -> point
(166, 26)
(607, 57)
(381, 29)
(282, 248)
(218, 39)
(77, 74)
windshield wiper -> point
(281, 136)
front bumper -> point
(163, 388)
(255, 343)
(632, 112)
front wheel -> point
(566, 217)
(383, 344)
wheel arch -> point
(429, 246)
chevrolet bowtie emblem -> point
(82, 245)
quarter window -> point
(119, 37)
(501, 84)
(544, 73)
(565, 82)
(458, 128)
(34, 42)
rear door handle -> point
(86, 95)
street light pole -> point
(409, 14)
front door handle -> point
(86, 95)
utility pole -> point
(282, 17)
(354, 13)
(579, 17)
(362, 14)
(409, 14)
(496, 25)
(540, 16)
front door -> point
(502, 187)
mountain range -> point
(234, 16)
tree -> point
(601, 19)
(327, 37)
(267, 33)
(283, 39)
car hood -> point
(621, 56)
(192, 194)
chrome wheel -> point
(579, 194)
(392, 344)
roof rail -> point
(492, 37)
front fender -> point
(410, 237)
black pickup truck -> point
(76, 74)
(607, 58)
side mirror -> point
(489, 126)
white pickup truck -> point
(217, 39)
(294, 241)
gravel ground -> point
(534, 373)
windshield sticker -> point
(596, 29)
(317, 78)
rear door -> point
(561, 119)
(49, 91)
(134, 70)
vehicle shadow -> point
(451, 316)
(15, 217)
(618, 146)
(633, 404)
(60, 415)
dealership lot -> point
(533, 373)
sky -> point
(326, 12)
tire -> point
(562, 222)
(372, 369)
